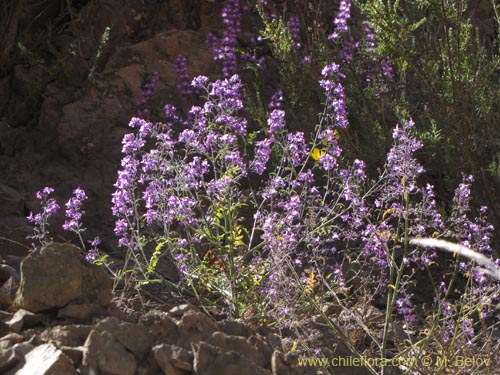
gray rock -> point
(104, 354)
(55, 275)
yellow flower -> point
(317, 154)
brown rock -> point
(11, 356)
(179, 311)
(181, 358)
(70, 335)
(133, 337)
(74, 353)
(24, 319)
(8, 289)
(238, 344)
(104, 354)
(209, 360)
(234, 328)
(161, 327)
(163, 355)
(11, 338)
(6, 272)
(195, 327)
(82, 312)
(287, 364)
(46, 359)
(55, 275)
(11, 202)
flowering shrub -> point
(279, 224)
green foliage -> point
(446, 78)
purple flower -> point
(276, 101)
(340, 21)
(331, 69)
(276, 121)
(294, 24)
(121, 227)
(49, 208)
(148, 89)
(262, 154)
(44, 193)
(199, 82)
(297, 148)
(131, 144)
(183, 84)
(402, 167)
(170, 112)
(74, 211)
(224, 50)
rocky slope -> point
(58, 317)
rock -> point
(287, 364)
(82, 312)
(5, 300)
(46, 359)
(10, 339)
(24, 319)
(104, 354)
(238, 344)
(134, 337)
(162, 328)
(55, 275)
(262, 347)
(11, 202)
(163, 355)
(181, 358)
(7, 272)
(195, 327)
(10, 357)
(180, 310)
(5, 315)
(70, 335)
(74, 353)
(210, 360)
(7, 292)
(234, 328)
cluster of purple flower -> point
(73, 223)
(340, 21)
(40, 220)
(74, 211)
(224, 49)
(294, 24)
(148, 89)
(335, 95)
(184, 83)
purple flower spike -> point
(74, 211)
(41, 220)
